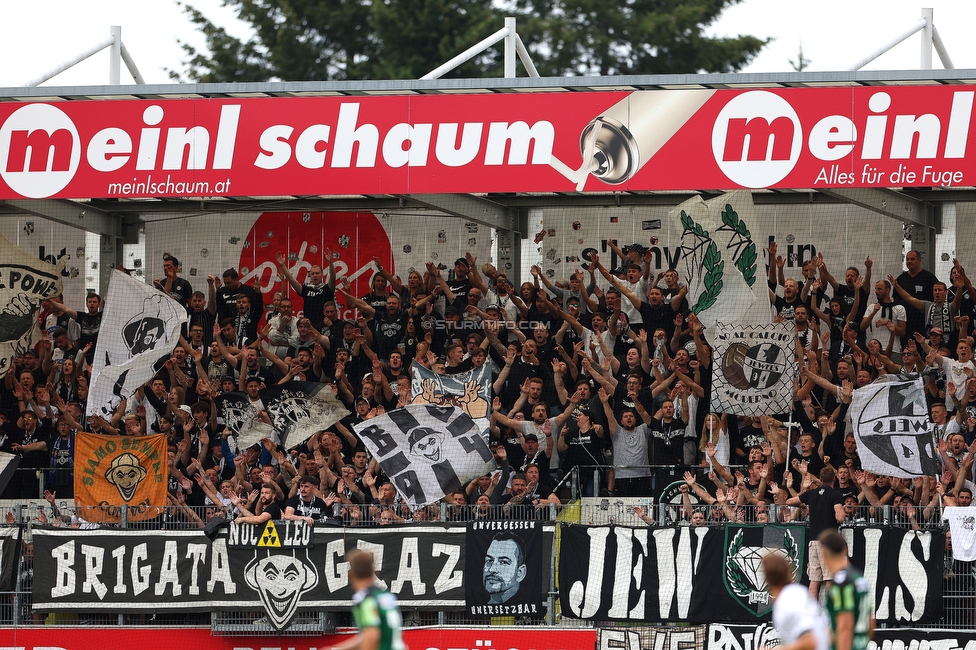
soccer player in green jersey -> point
(849, 603)
(375, 610)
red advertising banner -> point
(535, 142)
(494, 638)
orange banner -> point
(118, 473)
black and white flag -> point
(140, 328)
(25, 282)
(427, 451)
(300, 408)
(9, 557)
(754, 367)
(891, 424)
(241, 418)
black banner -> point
(503, 568)
(182, 570)
(138, 570)
(9, 557)
(904, 569)
(703, 574)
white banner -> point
(753, 367)
(891, 424)
(25, 282)
(140, 327)
(427, 451)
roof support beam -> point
(473, 208)
(76, 215)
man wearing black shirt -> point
(226, 296)
(315, 292)
(667, 443)
(826, 505)
(305, 506)
(31, 441)
(267, 508)
(918, 283)
(172, 285)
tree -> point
(303, 40)
(595, 37)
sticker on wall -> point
(571, 259)
(344, 241)
(551, 254)
(94, 266)
(579, 241)
(406, 249)
(550, 273)
(264, 244)
(292, 256)
(74, 272)
(245, 270)
(29, 227)
(137, 264)
(433, 255)
(247, 244)
(233, 240)
(651, 224)
(577, 225)
(551, 232)
(472, 241)
(614, 219)
(193, 271)
(540, 236)
(313, 249)
(790, 239)
(80, 253)
(654, 241)
(270, 234)
(471, 226)
(204, 252)
(306, 217)
(508, 266)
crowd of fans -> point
(605, 375)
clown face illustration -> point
(126, 473)
(280, 581)
(426, 442)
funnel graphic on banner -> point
(618, 142)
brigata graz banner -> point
(703, 574)
(138, 570)
(131, 570)
(527, 142)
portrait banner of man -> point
(503, 573)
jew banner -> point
(9, 557)
(120, 476)
(753, 368)
(503, 568)
(427, 451)
(891, 424)
(713, 574)
(469, 391)
(140, 328)
(300, 408)
(25, 282)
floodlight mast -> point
(930, 39)
(118, 54)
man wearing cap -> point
(532, 432)
(461, 284)
(635, 281)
